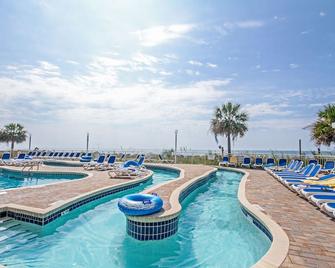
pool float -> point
(140, 204)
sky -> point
(131, 72)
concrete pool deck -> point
(311, 233)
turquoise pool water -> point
(11, 179)
(213, 232)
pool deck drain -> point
(311, 233)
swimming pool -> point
(213, 232)
(16, 179)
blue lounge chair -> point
(301, 173)
(270, 162)
(246, 162)
(33, 154)
(328, 167)
(55, 154)
(225, 161)
(258, 162)
(297, 187)
(66, 155)
(283, 162)
(86, 158)
(300, 178)
(5, 159)
(291, 170)
(93, 165)
(319, 199)
(110, 164)
(133, 163)
(313, 161)
(329, 208)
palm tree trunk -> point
(229, 144)
(12, 149)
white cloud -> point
(294, 65)
(160, 34)
(100, 96)
(72, 62)
(192, 72)
(250, 24)
(262, 109)
(322, 13)
(211, 65)
(194, 62)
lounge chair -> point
(86, 158)
(224, 162)
(328, 166)
(304, 172)
(292, 169)
(308, 174)
(246, 162)
(270, 162)
(233, 161)
(282, 163)
(329, 208)
(319, 199)
(76, 156)
(132, 163)
(93, 165)
(126, 173)
(111, 164)
(313, 161)
(5, 159)
(258, 162)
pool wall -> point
(278, 251)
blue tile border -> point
(51, 217)
(257, 223)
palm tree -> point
(229, 121)
(322, 130)
(13, 133)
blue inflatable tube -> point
(140, 204)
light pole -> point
(175, 145)
(87, 141)
(29, 146)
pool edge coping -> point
(279, 248)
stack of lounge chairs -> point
(128, 169)
(309, 184)
(22, 160)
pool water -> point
(16, 179)
(213, 232)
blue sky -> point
(130, 72)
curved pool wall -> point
(11, 179)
